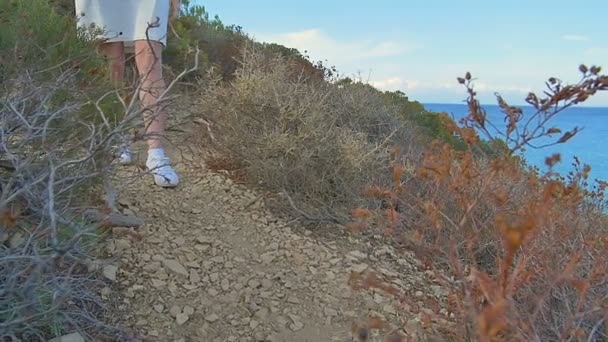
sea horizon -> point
(587, 145)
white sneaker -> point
(164, 175)
(125, 156)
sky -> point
(421, 46)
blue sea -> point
(587, 145)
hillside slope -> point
(215, 265)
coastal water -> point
(587, 145)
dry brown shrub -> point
(525, 255)
(315, 142)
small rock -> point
(360, 268)
(158, 257)
(109, 271)
(75, 337)
(194, 277)
(174, 311)
(266, 283)
(159, 308)
(188, 310)
(212, 318)
(122, 244)
(204, 240)
(389, 309)
(427, 311)
(329, 312)
(357, 255)
(176, 268)
(253, 324)
(152, 267)
(254, 283)
(296, 326)
(157, 283)
(334, 261)
(181, 318)
(378, 298)
(293, 300)
(267, 258)
(419, 294)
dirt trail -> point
(214, 265)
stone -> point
(204, 240)
(75, 337)
(180, 241)
(360, 268)
(389, 309)
(293, 300)
(194, 277)
(122, 244)
(152, 267)
(159, 308)
(181, 318)
(175, 310)
(296, 326)
(157, 283)
(188, 310)
(212, 318)
(109, 272)
(176, 268)
(267, 258)
(329, 312)
(356, 255)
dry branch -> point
(113, 219)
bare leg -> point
(115, 53)
(149, 64)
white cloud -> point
(321, 46)
(575, 38)
(397, 83)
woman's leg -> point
(148, 58)
(115, 53)
(149, 65)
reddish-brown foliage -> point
(526, 253)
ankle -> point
(156, 153)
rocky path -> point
(214, 265)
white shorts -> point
(126, 20)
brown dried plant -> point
(523, 255)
